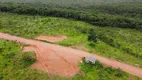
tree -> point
(92, 35)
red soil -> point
(63, 61)
(52, 38)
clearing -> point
(63, 61)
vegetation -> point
(128, 42)
(67, 3)
(92, 17)
(98, 72)
(125, 9)
(92, 35)
(113, 29)
(111, 42)
(12, 60)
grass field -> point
(15, 65)
(120, 44)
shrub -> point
(24, 59)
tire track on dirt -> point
(71, 66)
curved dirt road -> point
(63, 61)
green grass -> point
(108, 51)
(31, 26)
(98, 72)
(124, 39)
(14, 63)
(7, 51)
(117, 43)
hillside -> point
(109, 29)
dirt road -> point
(63, 61)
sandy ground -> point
(51, 38)
(63, 61)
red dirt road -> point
(63, 61)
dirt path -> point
(63, 61)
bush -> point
(119, 73)
(92, 44)
(24, 59)
(1, 76)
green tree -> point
(92, 35)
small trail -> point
(63, 61)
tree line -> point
(98, 19)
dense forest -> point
(100, 15)
(68, 2)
